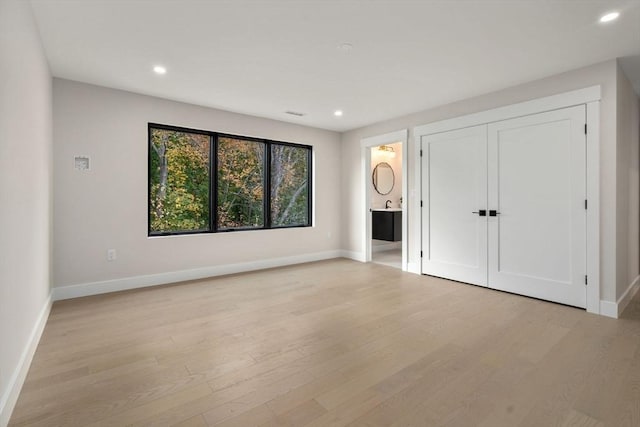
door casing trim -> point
(365, 155)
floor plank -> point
(331, 343)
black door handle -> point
(493, 213)
(481, 212)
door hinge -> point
(585, 279)
(585, 128)
(420, 254)
(420, 152)
(585, 203)
(420, 203)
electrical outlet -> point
(328, 235)
(111, 255)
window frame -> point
(213, 181)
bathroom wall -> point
(378, 200)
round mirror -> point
(383, 178)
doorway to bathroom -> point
(385, 184)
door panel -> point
(536, 170)
(455, 185)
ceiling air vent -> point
(294, 113)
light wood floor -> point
(329, 344)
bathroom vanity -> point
(386, 224)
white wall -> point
(628, 185)
(106, 207)
(25, 195)
(603, 74)
(378, 200)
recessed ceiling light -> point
(337, 113)
(608, 17)
(159, 69)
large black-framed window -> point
(206, 182)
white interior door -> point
(454, 185)
(537, 241)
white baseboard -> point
(628, 295)
(9, 399)
(615, 309)
(609, 309)
(356, 256)
(126, 283)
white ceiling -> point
(266, 57)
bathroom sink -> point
(387, 210)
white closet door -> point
(454, 185)
(537, 185)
